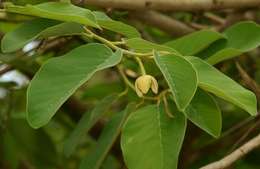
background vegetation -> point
(91, 75)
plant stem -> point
(141, 65)
(127, 82)
(123, 92)
(112, 45)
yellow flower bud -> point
(144, 83)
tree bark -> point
(174, 5)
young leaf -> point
(106, 140)
(56, 10)
(241, 37)
(193, 43)
(87, 121)
(180, 76)
(105, 22)
(58, 79)
(37, 28)
(204, 112)
(152, 140)
(141, 45)
(212, 80)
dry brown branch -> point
(174, 5)
(235, 155)
(249, 81)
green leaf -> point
(67, 12)
(241, 37)
(204, 112)
(26, 143)
(87, 121)
(9, 149)
(141, 45)
(108, 136)
(105, 22)
(180, 76)
(56, 10)
(223, 54)
(193, 43)
(24, 34)
(63, 29)
(37, 28)
(152, 140)
(111, 163)
(212, 80)
(58, 79)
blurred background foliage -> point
(25, 148)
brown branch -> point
(249, 81)
(235, 16)
(163, 22)
(235, 155)
(173, 5)
(215, 18)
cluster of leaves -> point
(151, 138)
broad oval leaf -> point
(195, 42)
(87, 121)
(241, 37)
(107, 138)
(152, 140)
(212, 80)
(223, 54)
(63, 29)
(59, 77)
(204, 112)
(56, 10)
(141, 45)
(105, 22)
(37, 28)
(244, 36)
(180, 76)
(70, 13)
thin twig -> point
(215, 18)
(244, 136)
(248, 80)
(92, 35)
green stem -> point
(140, 63)
(118, 43)
(127, 82)
(123, 93)
(112, 45)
